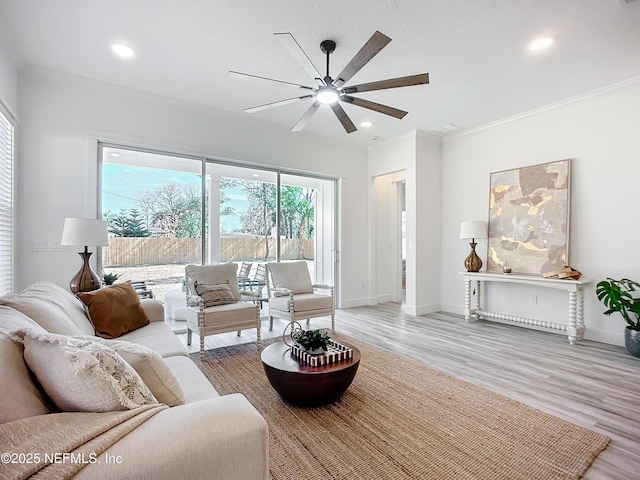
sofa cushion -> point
(12, 319)
(157, 336)
(292, 275)
(114, 310)
(150, 366)
(21, 397)
(302, 302)
(195, 385)
(213, 274)
(52, 307)
(82, 375)
(216, 294)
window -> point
(6, 205)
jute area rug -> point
(400, 419)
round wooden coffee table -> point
(303, 384)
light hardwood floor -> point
(590, 384)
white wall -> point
(62, 117)
(8, 82)
(417, 154)
(601, 134)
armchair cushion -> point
(114, 310)
(229, 313)
(213, 274)
(291, 275)
(302, 302)
(216, 294)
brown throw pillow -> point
(114, 310)
(216, 294)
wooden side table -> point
(303, 384)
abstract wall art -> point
(529, 218)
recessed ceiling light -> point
(114, 154)
(123, 50)
(541, 43)
(256, 175)
(366, 124)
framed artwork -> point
(529, 218)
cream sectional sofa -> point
(208, 437)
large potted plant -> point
(618, 296)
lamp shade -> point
(85, 231)
(473, 229)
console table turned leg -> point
(477, 309)
(572, 330)
(580, 315)
(467, 300)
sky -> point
(122, 183)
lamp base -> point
(473, 263)
(86, 280)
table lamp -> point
(473, 230)
(85, 231)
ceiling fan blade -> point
(294, 48)
(342, 116)
(276, 104)
(377, 107)
(305, 118)
(246, 76)
(370, 49)
(419, 79)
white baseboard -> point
(417, 310)
(385, 298)
(356, 302)
(604, 336)
(451, 308)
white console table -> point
(575, 288)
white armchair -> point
(293, 297)
(215, 304)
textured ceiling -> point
(474, 51)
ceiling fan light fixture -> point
(327, 95)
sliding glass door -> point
(166, 211)
(307, 224)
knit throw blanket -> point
(58, 445)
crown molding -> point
(553, 106)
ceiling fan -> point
(330, 91)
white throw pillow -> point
(82, 375)
(154, 371)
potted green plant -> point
(618, 296)
(110, 278)
(314, 342)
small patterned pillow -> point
(81, 375)
(216, 294)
